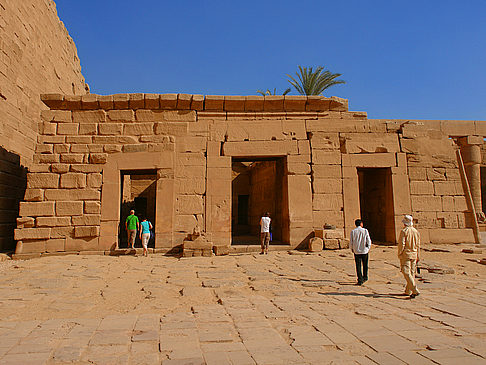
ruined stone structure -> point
(211, 165)
(216, 163)
(37, 55)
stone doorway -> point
(138, 192)
(258, 186)
(376, 203)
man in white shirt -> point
(265, 232)
(360, 243)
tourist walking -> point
(409, 254)
(265, 222)
(145, 228)
(132, 225)
(360, 244)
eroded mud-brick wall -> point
(37, 56)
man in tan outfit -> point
(409, 254)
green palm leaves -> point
(312, 82)
(269, 92)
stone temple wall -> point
(72, 202)
(36, 55)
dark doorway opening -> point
(376, 203)
(259, 185)
(138, 192)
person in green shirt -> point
(132, 225)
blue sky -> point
(401, 59)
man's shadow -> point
(399, 296)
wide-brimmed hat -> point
(407, 220)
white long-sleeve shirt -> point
(360, 241)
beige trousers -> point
(408, 268)
(264, 240)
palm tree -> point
(268, 92)
(312, 82)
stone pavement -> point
(279, 308)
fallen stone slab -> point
(482, 261)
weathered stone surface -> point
(316, 244)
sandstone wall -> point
(73, 190)
(36, 56)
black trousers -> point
(361, 260)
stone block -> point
(25, 222)
(295, 103)
(424, 203)
(48, 129)
(460, 204)
(173, 115)
(105, 101)
(303, 147)
(331, 244)
(191, 144)
(234, 103)
(44, 148)
(92, 207)
(41, 159)
(320, 157)
(82, 244)
(370, 160)
(86, 129)
(370, 142)
(436, 174)
(87, 220)
(171, 129)
(189, 204)
(421, 188)
(120, 101)
(72, 158)
(218, 187)
(30, 246)
(94, 180)
(168, 101)
(185, 223)
(327, 186)
(343, 243)
(220, 250)
(198, 244)
(316, 244)
(42, 180)
(67, 128)
(326, 171)
(214, 102)
(254, 103)
(129, 148)
(36, 209)
(458, 127)
(73, 180)
(53, 221)
(62, 232)
(89, 101)
(260, 148)
(98, 158)
(56, 116)
(69, 208)
(273, 103)
(79, 139)
(451, 235)
(197, 102)
(445, 188)
(136, 101)
(152, 101)
(448, 204)
(327, 202)
(61, 148)
(86, 231)
(86, 168)
(89, 116)
(298, 168)
(192, 186)
(138, 129)
(32, 233)
(322, 217)
(112, 148)
(325, 141)
(55, 245)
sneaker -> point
(261, 253)
(359, 283)
(414, 295)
